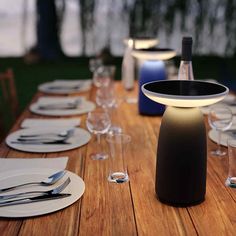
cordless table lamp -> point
(152, 68)
(181, 154)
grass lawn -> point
(28, 77)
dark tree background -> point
(149, 17)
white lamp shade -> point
(185, 93)
(142, 42)
(154, 54)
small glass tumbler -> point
(231, 179)
(98, 122)
(118, 144)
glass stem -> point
(218, 143)
(98, 138)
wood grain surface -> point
(130, 208)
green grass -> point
(28, 77)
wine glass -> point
(105, 97)
(103, 76)
(94, 63)
(98, 122)
(220, 119)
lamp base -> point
(181, 158)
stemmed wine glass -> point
(98, 122)
(105, 97)
(94, 63)
(103, 76)
(220, 119)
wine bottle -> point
(185, 68)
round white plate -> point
(85, 107)
(80, 138)
(213, 135)
(46, 87)
(75, 188)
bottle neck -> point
(185, 70)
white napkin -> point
(8, 164)
(45, 100)
(29, 123)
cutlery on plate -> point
(39, 142)
(35, 199)
(56, 190)
(78, 86)
(46, 182)
(63, 134)
(69, 105)
(42, 139)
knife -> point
(35, 199)
(65, 87)
(40, 142)
(62, 107)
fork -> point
(56, 190)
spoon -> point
(46, 182)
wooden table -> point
(131, 208)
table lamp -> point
(182, 153)
(152, 68)
(128, 63)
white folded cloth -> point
(33, 122)
(9, 164)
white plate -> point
(85, 107)
(75, 188)
(213, 135)
(85, 86)
(80, 137)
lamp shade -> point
(154, 53)
(185, 93)
(142, 42)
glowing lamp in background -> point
(142, 42)
(152, 68)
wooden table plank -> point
(153, 218)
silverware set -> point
(58, 87)
(35, 196)
(46, 138)
(62, 106)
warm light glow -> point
(142, 43)
(153, 55)
(130, 43)
(185, 100)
